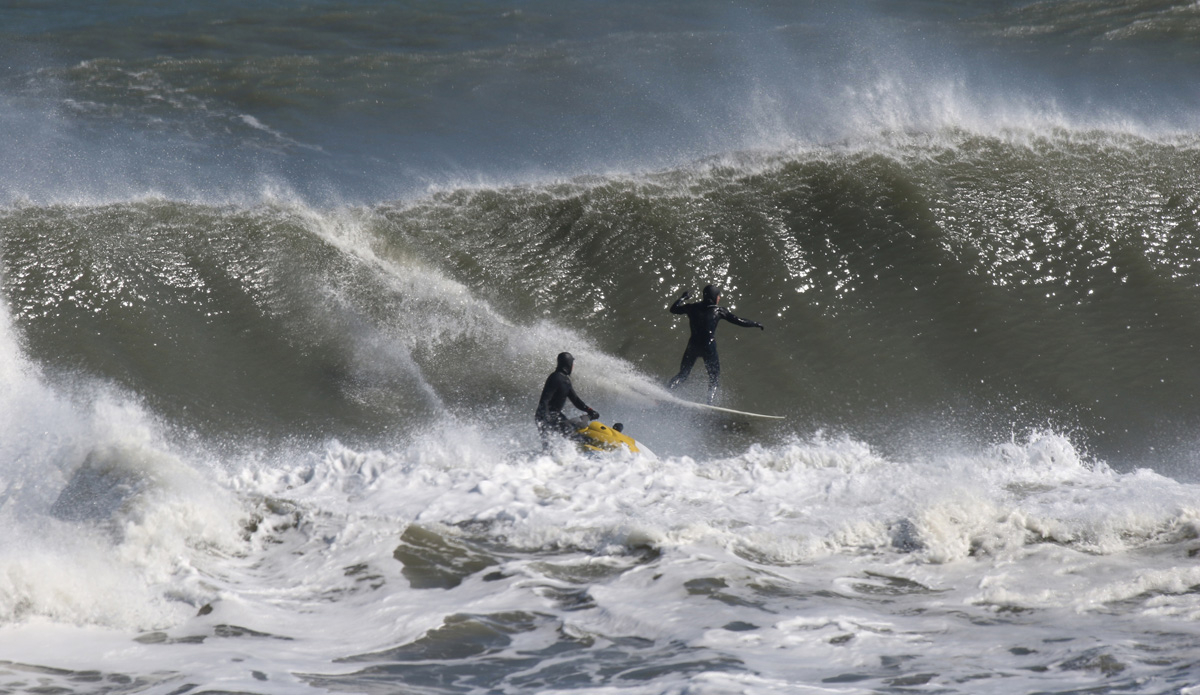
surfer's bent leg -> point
(712, 363)
(685, 367)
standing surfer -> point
(558, 389)
(703, 317)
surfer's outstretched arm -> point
(744, 323)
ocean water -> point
(280, 283)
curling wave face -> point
(969, 282)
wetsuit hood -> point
(712, 293)
(566, 362)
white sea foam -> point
(824, 556)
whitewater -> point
(280, 284)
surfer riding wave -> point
(703, 317)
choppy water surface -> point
(281, 284)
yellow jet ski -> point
(598, 437)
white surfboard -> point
(653, 394)
(729, 411)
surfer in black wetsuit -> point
(703, 317)
(558, 389)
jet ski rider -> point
(558, 389)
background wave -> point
(970, 283)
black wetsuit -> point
(703, 317)
(555, 394)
